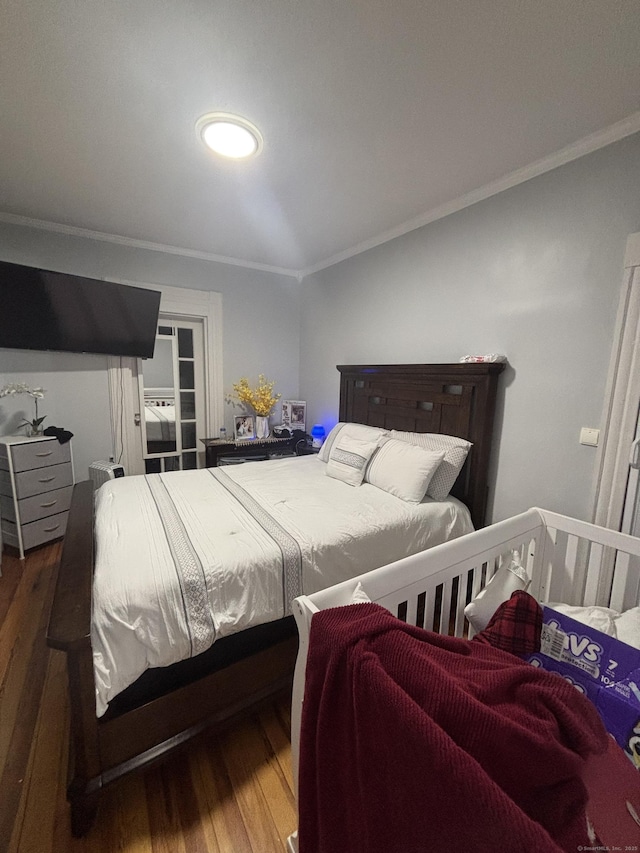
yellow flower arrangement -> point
(261, 398)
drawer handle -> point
(51, 529)
(48, 453)
(46, 479)
(51, 503)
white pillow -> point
(510, 576)
(628, 627)
(601, 618)
(355, 430)
(403, 469)
(455, 452)
(349, 458)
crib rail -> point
(432, 588)
(583, 564)
(568, 560)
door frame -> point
(622, 398)
(196, 326)
(205, 305)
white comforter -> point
(187, 557)
(160, 423)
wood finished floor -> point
(225, 793)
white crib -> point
(568, 560)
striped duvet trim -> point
(165, 424)
(288, 545)
(189, 569)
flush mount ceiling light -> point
(229, 135)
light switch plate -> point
(589, 436)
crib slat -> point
(570, 571)
(557, 580)
(528, 556)
(580, 580)
(429, 609)
(460, 605)
(594, 566)
(624, 589)
(620, 576)
(494, 564)
(632, 592)
(605, 576)
(445, 613)
(412, 610)
(543, 565)
(476, 584)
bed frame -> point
(167, 707)
(452, 399)
(568, 560)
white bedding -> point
(246, 540)
(160, 423)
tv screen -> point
(44, 310)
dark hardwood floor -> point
(228, 792)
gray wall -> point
(534, 273)
(261, 328)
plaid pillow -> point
(515, 626)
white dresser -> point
(36, 479)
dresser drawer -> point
(40, 506)
(43, 530)
(36, 454)
(7, 507)
(5, 484)
(40, 480)
(9, 532)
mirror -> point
(159, 393)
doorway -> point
(190, 321)
(173, 397)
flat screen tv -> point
(44, 310)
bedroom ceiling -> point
(377, 115)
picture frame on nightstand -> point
(294, 414)
(244, 426)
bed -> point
(174, 700)
(567, 560)
(239, 566)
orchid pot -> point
(33, 427)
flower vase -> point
(262, 427)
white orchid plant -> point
(34, 425)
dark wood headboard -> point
(453, 399)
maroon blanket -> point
(413, 742)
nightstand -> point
(308, 451)
(248, 449)
(36, 480)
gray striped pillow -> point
(349, 458)
(352, 430)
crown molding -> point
(587, 145)
(75, 231)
